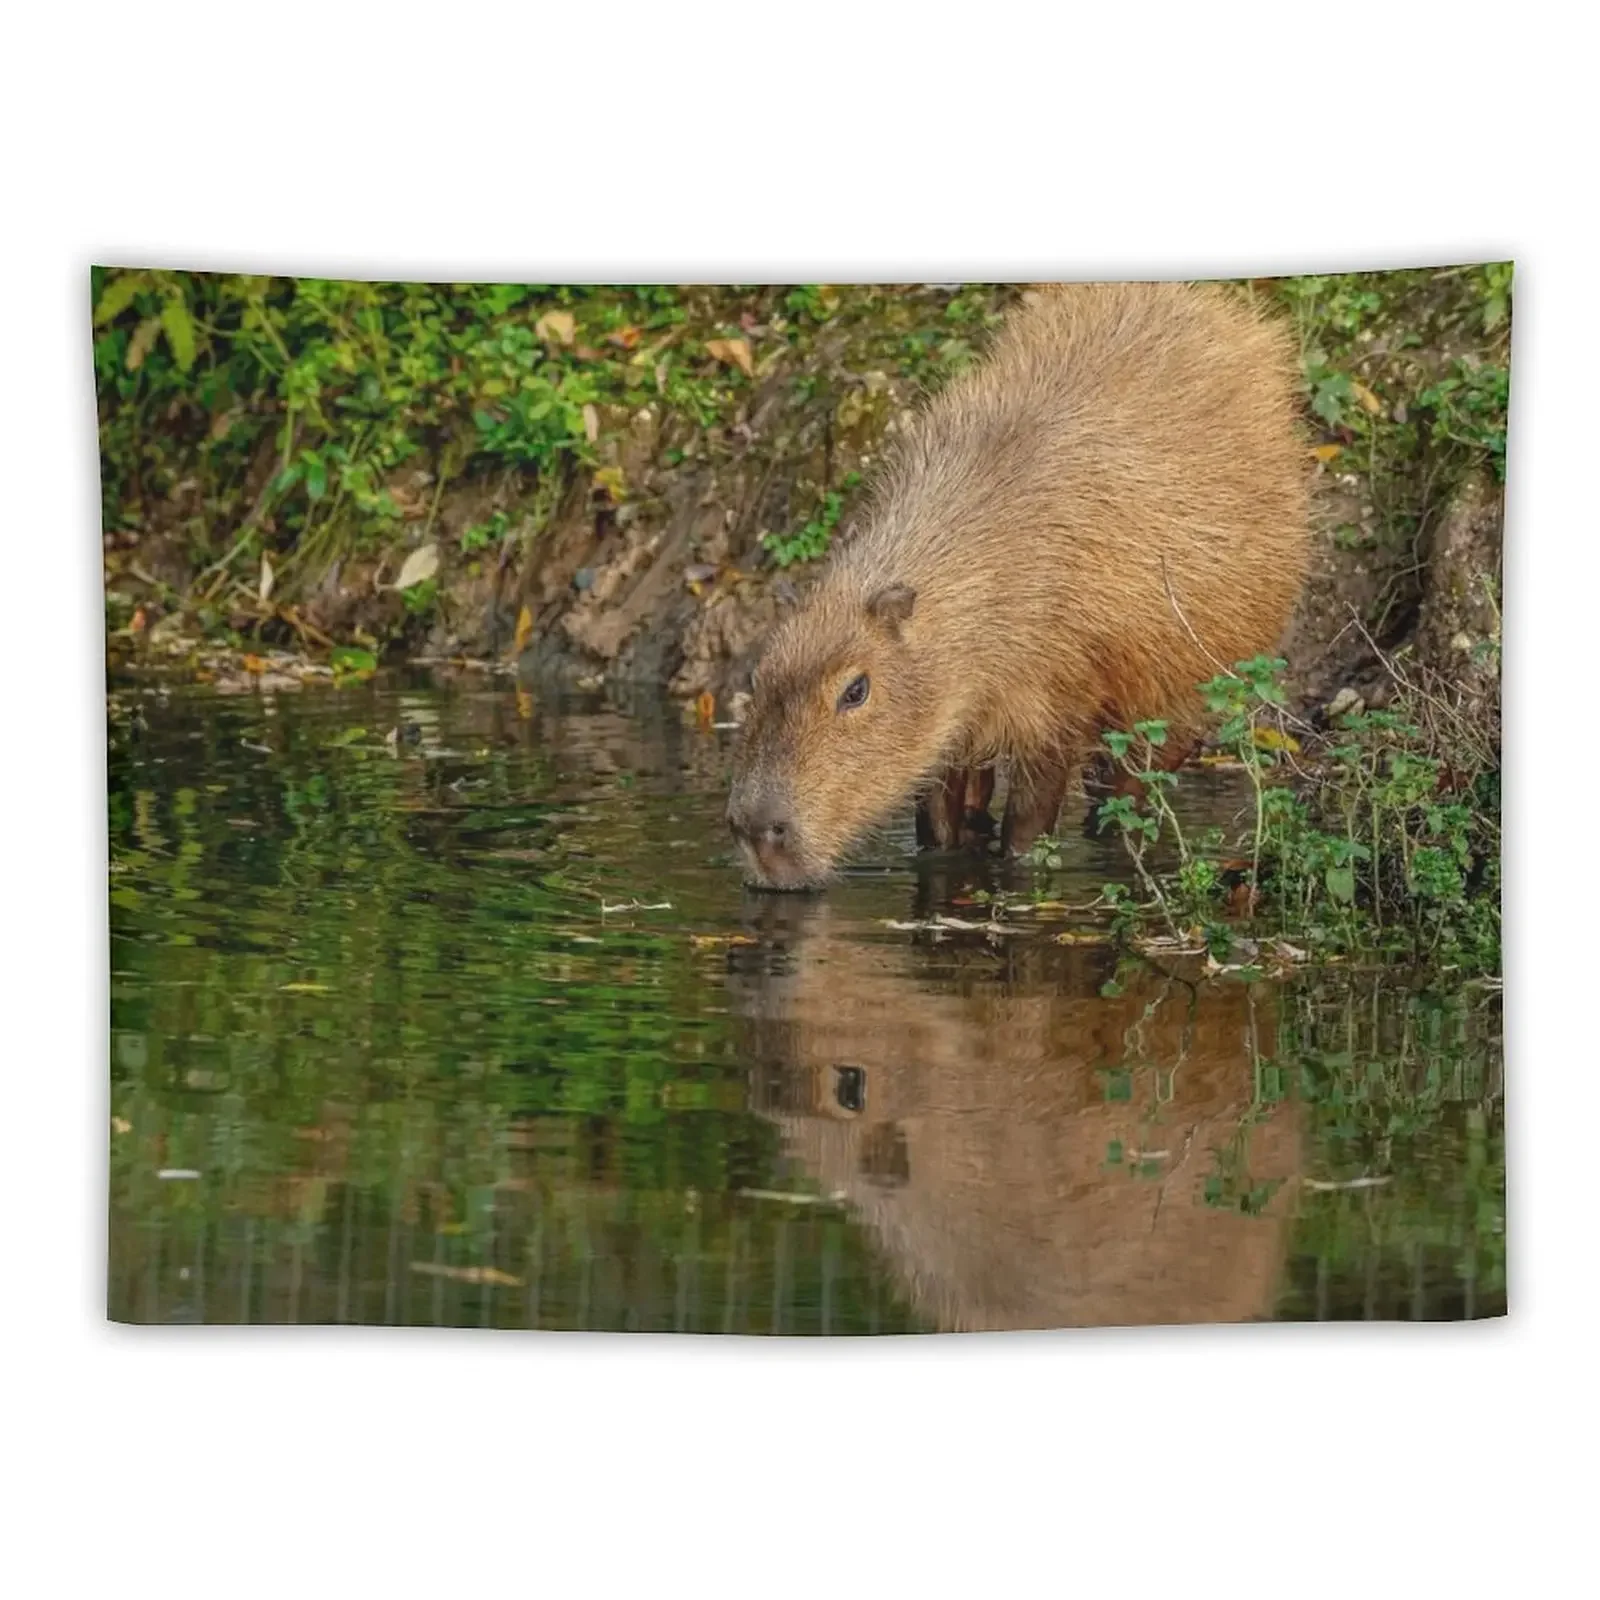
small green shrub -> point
(1383, 840)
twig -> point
(1222, 669)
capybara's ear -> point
(892, 606)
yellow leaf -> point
(144, 336)
(1328, 452)
(1369, 401)
(253, 664)
(524, 704)
(716, 941)
(610, 479)
(440, 1269)
(705, 708)
(524, 631)
(1274, 739)
(305, 988)
(557, 325)
(733, 353)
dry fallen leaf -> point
(591, 423)
(253, 664)
(264, 586)
(705, 708)
(1369, 401)
(734, 353)
(140, 621)
(121, 1125)
(524, 631)
(524, 704)
(1328, 452)
(717, 941)
(144, 336)
(419, 566)
(558, 325)
(627, 337)
(440, 1269)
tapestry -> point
(804, 809)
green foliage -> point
(812, 541)
(1378, 380)
(338, 385)
(1384, 841)
(482, 534)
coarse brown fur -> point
(1070, 537)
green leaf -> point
(180, 332)
(347, 658)
(1341, 882)
(119, 296)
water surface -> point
(475, 1026)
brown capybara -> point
(1072, 535)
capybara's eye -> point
(855, 693)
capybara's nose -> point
(758, 823)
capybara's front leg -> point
(977, 825)
(941, 810)
(1033, 803)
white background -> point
(807, 143)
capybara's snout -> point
(763, 824)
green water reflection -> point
(477, 1028)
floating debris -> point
(717, 941)
(941, 924)
(438, 1269)
(794, 1198)
(1323, 1186)
(1163, 944)
(634, 905)
(177, 1174)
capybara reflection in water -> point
(1069, 538)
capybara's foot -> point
(941, 810)
(1033, 805)
(953, 813)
